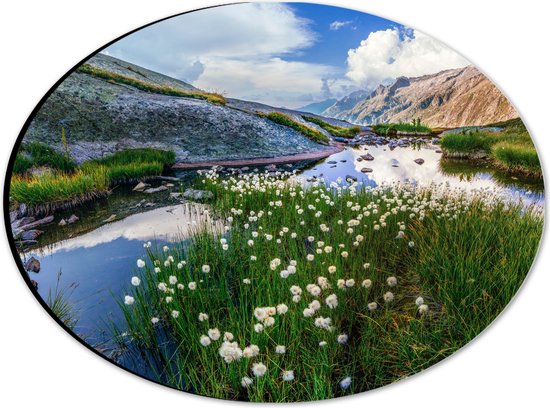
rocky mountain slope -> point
(317, 107)
(100, 117)
(450, 98)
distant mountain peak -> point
(449, 98)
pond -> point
(98, 258)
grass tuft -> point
(286, 120)
(214, 98)
(338, 131)
(390, 129)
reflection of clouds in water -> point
(408, 171)
(166, 223)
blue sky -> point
(284, 54)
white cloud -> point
(239, 49)
(388, 54)
(336, 25)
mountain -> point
(317, 107)
(346, 103)
(450, 98)
(102, 115)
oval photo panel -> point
(275, 202)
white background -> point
(41, 364)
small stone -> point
(155, 190)
(366, 170)
(169, 185)
(419, 161)
(140, 186)
(30, 235)
(368, 157)
(197, 195)
(352, 178)
(72, 219)
(32, 265)
(359, 159)
(439, 151)
(34, 284)
(332, 162)
(62, 223)
(111, 218)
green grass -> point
(92, 179)
(60, 303)
(338, 131)
(388, 129)
(517, 157)
(39, 154)
(511, 150)
(214, 98)
(464, 256)
(286, 120)
(51, 188)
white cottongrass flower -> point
(400, 235)
(296, 298)
(328, 249)
(280, 349)
(367, 283)
(250, 242)
(350, 283)
(168, 299)
(295, 290)
(162, 287)
(341, 283)
(203, 317)
(291, 269)
(175, 314)
(310, 257)
(315, 305)
(419, 301)
(391, 281)
(324, 323)
(258, 327)
(225, 247)
(282, 309)
(154, 320)
(172, 279)
(246, 382)
(411, 244)
(192, 285)
(288, 375)
(230, 351)
(140, 263)
(251, 351)
(332, 301)
(157, 269)
(180, 265)
(308, 312)
(269, 321)
(366, 265)
(345, 383)
(260, 313)
(423, 308)
(331, 269)
(259, 369)
(246, 281)
(342, 339)
(323, 282)
(372, 306)
(284, 274)
(135, 281)
(313, 289)
(128, 300)
(322, 343)
(344, 254)
(388, 297)
(214, 334)
(206, 269)
(205, 340)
